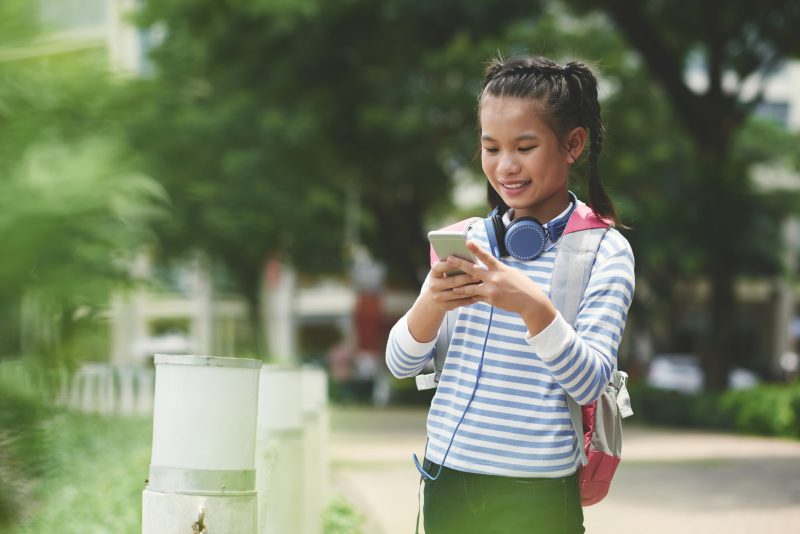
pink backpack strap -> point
(583, 218)
(459, 226)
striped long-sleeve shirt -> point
(518, 423)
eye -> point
(491, 149)
(526, 148)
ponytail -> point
(584, 84)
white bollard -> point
(202, 470)
(315, 423)
(280, 451)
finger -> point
(446, 293)
(458, 280)
(449, 300)
(457, 303)
(469, 268)
(488, 259)
(449, 281)
(440, 268)
(470, 291)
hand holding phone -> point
(450, 243)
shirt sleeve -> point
(405, 356)
(582, 359)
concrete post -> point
(278, 299)
(784, 302)
(315, 424)
(145, 391)
(280, 451)
(202, 470)
(202, 329)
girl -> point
(502, 455)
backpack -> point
(598, 425)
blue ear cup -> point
(525, 238)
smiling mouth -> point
(515, 185)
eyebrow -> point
(523, 137)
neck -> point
(544, 214)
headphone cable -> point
(425, 474)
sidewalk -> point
(670, 481)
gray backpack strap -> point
(443, 341)
(574, 260)
(431, 380)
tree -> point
(377, 99)
(73, 207)
(262, 118)
(726, 41)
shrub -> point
(767, 410)
(340, 518)
(771, 410)
(24, 452)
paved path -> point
(670, 481)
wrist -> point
(539, 316)
(424, 318)
(426, 302)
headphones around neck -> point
(526, 237)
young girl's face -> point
(523, 158)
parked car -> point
(682, 372)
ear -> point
(574, 143)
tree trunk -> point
(718, 233)
(248, 282)
(719, 343)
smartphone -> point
(451, 243)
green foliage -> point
(340, 518)
(18, 22)
(770, 410)
(280, 112)
(23, 452)
(70, 213)
(673, 408)
(96, 472)
(74, 209)
(711, 179)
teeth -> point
(516, 185)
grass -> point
(92, 476)
(95, 476)
(341, 518)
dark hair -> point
(568, 96)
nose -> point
(508, 164)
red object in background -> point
(370, 325)
(272, 272)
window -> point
(775, 111)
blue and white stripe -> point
(518, 422)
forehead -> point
(501, 116)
